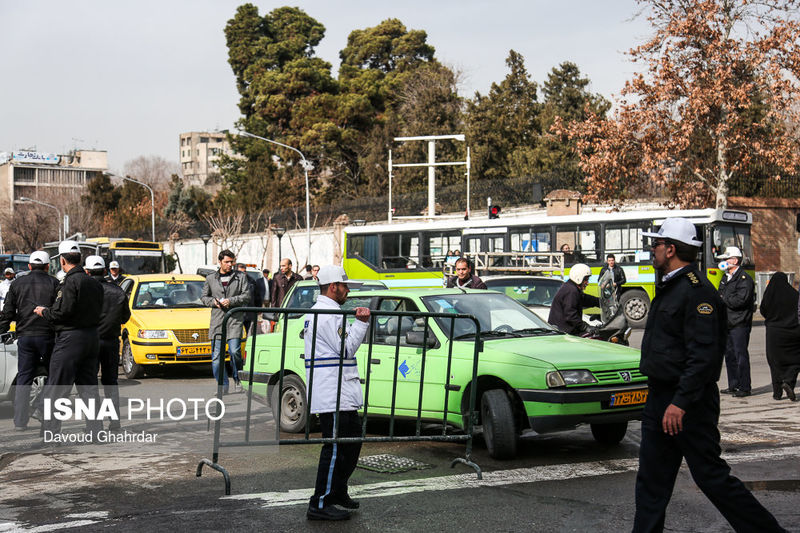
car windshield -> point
(498, 315)
(168, 294)
(527, 291)
(303, 297)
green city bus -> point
(414, 254)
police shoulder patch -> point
(693, 279)
(705, 309)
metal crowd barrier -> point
(470, 415)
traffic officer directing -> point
(737, 291)
(34, 334)
(336, 461)
(114, 275)
(682, 352)
(75, 314)
(114, 314)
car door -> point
(392, 355)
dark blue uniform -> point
(682, 352)
(738, 294)
(34, 334)
(115, 312)
(75, 315)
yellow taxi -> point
(168, 324)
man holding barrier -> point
(336, 461)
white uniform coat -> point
(326, 360)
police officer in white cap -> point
(738, 291)
(336, 461)
(682, 351)
(114, 274)
(75, 314)
(114, 314)
(34, 334)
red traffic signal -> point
(494, 211)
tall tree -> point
(719, 101)
(566, 98)
(503, 126)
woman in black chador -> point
(779, 308)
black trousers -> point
(660, 457)
(737, 358)
(108, 362)
(31, 353)
(73, 362)
(336, 461)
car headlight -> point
(152, 334)
(569, 377)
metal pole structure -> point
(306, 167)
(58, 212)
(468, 163)
(152, 202)
(390, 186)
(431, 179)
(205, 239)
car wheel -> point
(609, 433)
(130, 367)
(293, 404)
(37, 388)
(499, 428)
(635, 304)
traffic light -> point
(494, 211)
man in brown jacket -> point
(282, 282)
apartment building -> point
(199, 155)
(47, 177)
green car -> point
(531, 377)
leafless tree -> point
(226, 229)
(153, 170)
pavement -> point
(559, 482)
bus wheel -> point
(635, 305)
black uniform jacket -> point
(25, 294)
(117, 281)
(115, 309)
(78, 304)
(566, 311)
(684, 340)
(617, 272)
(474, 282)
(738, 295)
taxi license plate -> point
(193, 350)
(625, 399)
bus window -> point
(579, 243)
(438, 246)
(725, 235)
(536, 241)
(625, 241)
(364, 247)
(399, 250)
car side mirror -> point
(417, 338)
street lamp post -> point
(306, 167)
(152, 201)
(60, 218)
(279, 233)
(205, 238)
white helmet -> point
(579, 272)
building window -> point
(203, 140)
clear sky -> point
(128, 77)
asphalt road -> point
(560, 482)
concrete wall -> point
(774, 234)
